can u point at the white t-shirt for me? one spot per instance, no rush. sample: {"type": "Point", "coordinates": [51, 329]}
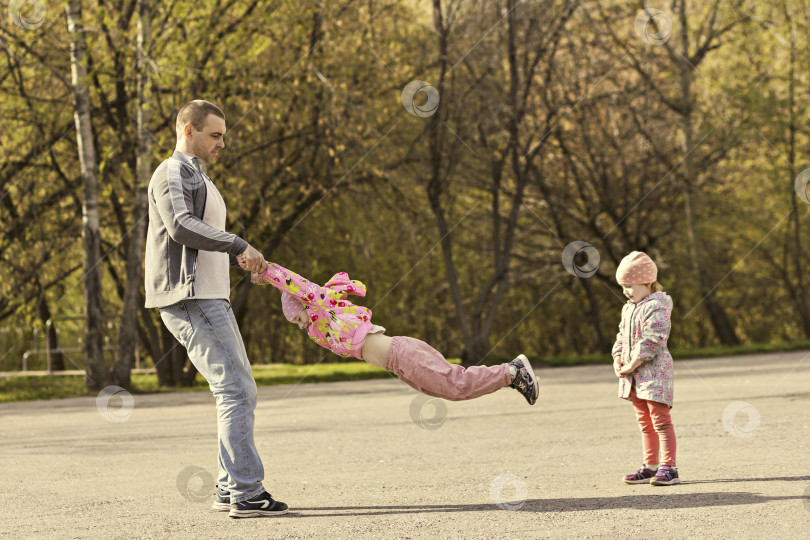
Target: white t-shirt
{"type": "Point", "coordinates": [213, 278]}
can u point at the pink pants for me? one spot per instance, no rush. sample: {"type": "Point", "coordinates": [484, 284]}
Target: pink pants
{"type": "Point", "coordinates": [656, 430]}
{"type": "Point", "coordinates": [424, 368]}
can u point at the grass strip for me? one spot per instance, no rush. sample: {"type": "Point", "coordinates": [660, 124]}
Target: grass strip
{"type": "Point", "coordinates": [28, 387]}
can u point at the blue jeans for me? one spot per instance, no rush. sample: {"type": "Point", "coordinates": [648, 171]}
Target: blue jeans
{"type": "Point", "coordinates": [208, 331]}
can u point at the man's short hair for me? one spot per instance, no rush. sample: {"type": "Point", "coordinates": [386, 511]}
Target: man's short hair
{"type": "Point", "coordinates": [195, 112]}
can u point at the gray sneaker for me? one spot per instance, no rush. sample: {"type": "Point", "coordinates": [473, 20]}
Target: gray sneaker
{"type": "Point", "coordinates": [524, 380]}
{"type": "Point", "coordinates": [222, 500]}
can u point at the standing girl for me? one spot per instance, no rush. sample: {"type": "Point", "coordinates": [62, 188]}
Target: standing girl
{"type": "Point", "coordinates": [332, 321]}
{"type": "Point", "coordinates": [643, 364]}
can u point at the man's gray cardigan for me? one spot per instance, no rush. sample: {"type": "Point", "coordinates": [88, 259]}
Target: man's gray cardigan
{"type": "Point", "coordinates": [176, 231]}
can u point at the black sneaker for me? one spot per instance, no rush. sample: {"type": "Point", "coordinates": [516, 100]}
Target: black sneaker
{"type": "Point", "coordinates": [524, 381]}
{"type": "Point", "coordinates": [260, 506]}
{"type": "Point", "coordinates": [222, 501]}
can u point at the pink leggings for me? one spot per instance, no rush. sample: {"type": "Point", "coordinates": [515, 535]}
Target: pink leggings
{"type": "Point", "coordinates": [424, 368]}
{"type": "Point", "coordinates": [656, 430]}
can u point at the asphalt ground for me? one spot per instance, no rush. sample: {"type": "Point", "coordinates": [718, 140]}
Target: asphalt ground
{"type": "Point", "coordinates": [375, 459]}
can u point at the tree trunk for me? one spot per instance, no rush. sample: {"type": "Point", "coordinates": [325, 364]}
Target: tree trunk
{"type": "Point", "coordinates": [717, 314]}
{"type": "Point", "coordinates": [474, 351]}
{"type": "Point", "coordinates": [163, 364]}
{"type": "Point", "coordinates": [800, 298]}
{"type": "Point", "coordinates": [171, 366]}
{"type": "Point", "coordinates": [603, 343]}
{"type": "Point", "coordinates": [435, 189]}
{"type": "Point", "coordinates": [150, 336]}
{"type": "Point", "coordinates": [97, 375]}
{"type": "Point", "coordinates": [128, 332]}
{"type": "Point", "coordinates": [476, 324]}
{"type": "Point", "coordinates": [57, 360]}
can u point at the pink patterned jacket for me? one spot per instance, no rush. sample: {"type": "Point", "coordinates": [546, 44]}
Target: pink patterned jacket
{"type": "Point", "coordinates": [643, 333]}
{"type": "Point", "coordinates": [334, 322]}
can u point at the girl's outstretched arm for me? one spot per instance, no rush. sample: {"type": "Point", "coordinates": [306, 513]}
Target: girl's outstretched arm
{"type": "Point", "coordinates": [298, 286]}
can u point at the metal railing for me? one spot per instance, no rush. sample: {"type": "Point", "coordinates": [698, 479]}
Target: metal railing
{"type": "Point", "coordinates": [48, 352]}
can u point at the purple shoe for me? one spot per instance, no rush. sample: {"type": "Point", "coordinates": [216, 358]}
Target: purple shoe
{"type": "Point", "coordinates": [641, 476]}
{"type": "Point", "coordinates": [666, 476]}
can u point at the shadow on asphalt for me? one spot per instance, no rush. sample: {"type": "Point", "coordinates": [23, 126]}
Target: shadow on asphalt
{"type": "Point", "coordinates": [770, 479]}
{"type": "Point", "coordinates": [635, 502]}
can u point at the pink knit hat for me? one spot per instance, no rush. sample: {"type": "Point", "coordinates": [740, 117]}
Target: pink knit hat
{"type": "Point", "coordinates": [291, 306]}
{"type": "Point", "coordinates": [637, 268]}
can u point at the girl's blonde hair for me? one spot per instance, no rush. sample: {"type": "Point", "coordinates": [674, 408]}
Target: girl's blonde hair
{"type": "Point", "coordinates": [655, 286]}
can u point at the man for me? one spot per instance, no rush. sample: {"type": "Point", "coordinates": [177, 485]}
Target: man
{"type": "Point", "coordinates": [188, 255]}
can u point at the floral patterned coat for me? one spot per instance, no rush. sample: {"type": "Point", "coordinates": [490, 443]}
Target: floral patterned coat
{"type": "Point", "coordinates": [334, 322]}
{"type": "Point", "coordinates": [643, 334]}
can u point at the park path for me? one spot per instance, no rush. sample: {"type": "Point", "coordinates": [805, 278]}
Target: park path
{"type": "Point", "coordinates": [374, 459]}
